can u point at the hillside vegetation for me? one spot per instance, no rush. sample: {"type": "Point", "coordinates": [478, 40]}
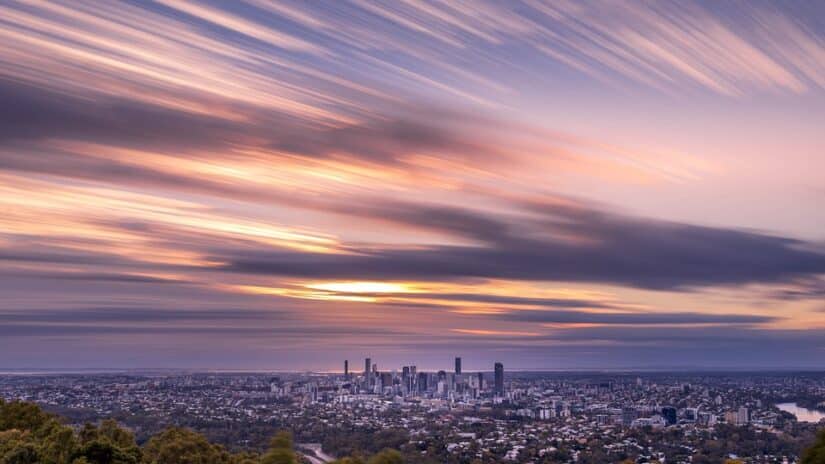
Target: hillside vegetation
{"type": "Point", "coordinates": [29, 435]}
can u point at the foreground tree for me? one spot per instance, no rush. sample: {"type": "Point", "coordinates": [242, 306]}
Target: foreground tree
{"type": "Point", "coordinates": [348, 460]}
{"type": "Point", "coordinates": [108, 444]}
{"type": "Point", "coordinates": [177, 445]}
{"type": "Point", "coordinates": [816, 453]}
{"type": "Point", "coordinates": [28, 435]}
{"type": "Point", "coordinates": [387, 456]}
{"type": "Point", "coordinates": [280, 450]}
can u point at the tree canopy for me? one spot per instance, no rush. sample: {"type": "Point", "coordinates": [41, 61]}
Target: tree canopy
{"type": "Point", "coordinates": [29, 435]}
{"type": "Point", "coordinates": [816, 453]}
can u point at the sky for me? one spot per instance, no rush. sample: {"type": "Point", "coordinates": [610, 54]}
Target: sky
{"type": "Point", "coordinates": [285, 185]}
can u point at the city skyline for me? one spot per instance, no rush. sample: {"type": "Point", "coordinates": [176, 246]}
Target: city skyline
{"type": "Point", "coordinates": [588, 418]}
{"type": "Point", "coordinates": [283, 185]}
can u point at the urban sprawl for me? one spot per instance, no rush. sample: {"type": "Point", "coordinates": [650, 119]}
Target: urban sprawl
{"type": "Point", "coordinates": [458, 416]}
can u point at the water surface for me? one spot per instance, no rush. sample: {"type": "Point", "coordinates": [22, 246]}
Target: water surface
{"type": "Point", "coordinates": [802, 414]}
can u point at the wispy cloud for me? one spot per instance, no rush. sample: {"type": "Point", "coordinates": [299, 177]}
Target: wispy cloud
{"type": "Point", "coordinates": [606, 248]}
{"type": "Point", "coordinates": [518, 175]}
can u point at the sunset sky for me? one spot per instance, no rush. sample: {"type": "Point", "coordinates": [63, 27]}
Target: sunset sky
{"type": "Point", "coordinates": [285, 185]}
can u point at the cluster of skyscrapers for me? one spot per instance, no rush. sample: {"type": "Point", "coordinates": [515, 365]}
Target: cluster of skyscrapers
{"type": "Point", "coordinates": [410, 382]}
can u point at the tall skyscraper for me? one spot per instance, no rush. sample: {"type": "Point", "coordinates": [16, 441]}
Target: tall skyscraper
{"type": "Point", "coordinates": [669, 413]}
{"type": "Point", "coordinates": [367, 364]}
{"type": "Point", "coordinates": [386, 379]}
{"type": "Point", "coordinates": [405, 379]}
{"type": "Point", "coordinates": [413, 379]}
{"type": "Point", "coordinates": [422, 382]}
{"type": "Point", "coordinates": [458, 365]}
{"type": "Point", "coordinates": [499, 379]}
{"type": "Point", "coordinates": [346, 368]}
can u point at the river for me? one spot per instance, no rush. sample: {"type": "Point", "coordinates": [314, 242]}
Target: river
{"type": "Point", "coordinates": [802, 414]}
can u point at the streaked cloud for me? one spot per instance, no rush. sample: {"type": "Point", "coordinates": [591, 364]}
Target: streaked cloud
{"type": "Point", "coordinates": [607, 249]}
{"type": "Point", "coordinates": [409, 177]}
{"type": "Point", "coordinates": [554, 318]}
{"type": "Point", "coordinates": [495, 333]}
{"type": "Point", "coordinates": [729, 49]}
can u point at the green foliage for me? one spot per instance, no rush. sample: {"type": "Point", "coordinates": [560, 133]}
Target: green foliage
{"type": "Point", "coordinates": [387, 456]}
{"type": "Point", "coordinates": [348, 460]}
{"type": "Point", "coordinates": [816, 453]}
{"type": "Point", "coordinates": [280, 450]}
{"type": "Point", "coordinates": [183, 446]}
{"type": "Point", "coordinates": [16, 447]}
{"type": "Point", "coordinates": [281, 440]}
{"type": "Point", "coordinates": [344, 442]}
{"type": "Point", "coordinates": [245, 458]}
{"type": "Point", "coordinates": [108, 444]}
{"type": "Point", "coordinates": [28, 435]}
{"type": "Point", "coordinates": [25, 416]}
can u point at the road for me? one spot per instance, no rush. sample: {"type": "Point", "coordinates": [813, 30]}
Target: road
{"type": "Point", "coordinates": [317, 456]}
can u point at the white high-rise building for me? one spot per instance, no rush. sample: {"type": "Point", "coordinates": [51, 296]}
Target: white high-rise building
{"type": "Point", "coordinates": [743, 416]}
